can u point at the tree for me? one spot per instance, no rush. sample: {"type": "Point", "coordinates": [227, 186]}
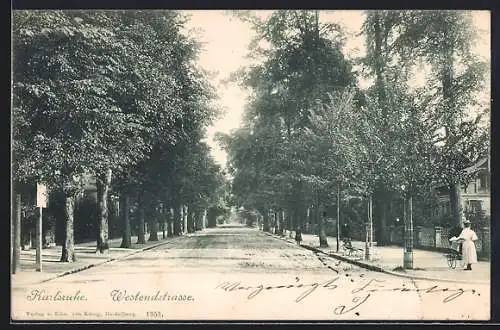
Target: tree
{"type": "Point", "coordinates": [335, 141]}
{"type": "Point", "coordinates": [77, 128]}
{"type": "Point", "coordinates": [120, 83]}
{"type": "Point", "coordinates": [398, 42]}
{"type": "Point", "coordinates": [303, 62]}
{"type": "Point", "coordinates": [460, 75]}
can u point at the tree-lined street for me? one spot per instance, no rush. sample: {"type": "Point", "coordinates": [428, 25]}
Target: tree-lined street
{"type": "Point", "coordinates": [120, 209]}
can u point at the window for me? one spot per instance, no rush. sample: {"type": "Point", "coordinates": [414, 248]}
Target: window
{"type": "Point", "coordinates": [483, 182]}
{"type": "Point", "coordinates": [474, 206]}
{"type": "Point", "coordinates": [444, 208]}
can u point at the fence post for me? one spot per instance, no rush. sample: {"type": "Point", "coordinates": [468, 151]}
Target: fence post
{"type": "Point", "coordinates": [418, 235]}
{"type": "Point", "coordinates": [437, 236]}
{"type": "Point", "coordinates": [485, 242]}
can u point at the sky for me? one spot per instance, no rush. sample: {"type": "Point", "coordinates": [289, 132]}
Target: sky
{"type": "Point", "coordinates": [225, 42]}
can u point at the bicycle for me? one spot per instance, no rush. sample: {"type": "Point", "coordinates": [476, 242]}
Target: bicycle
{"type": "Point", "coordinates": [453, 255]}
{"type": "Point", "coordinates": [351, 251]}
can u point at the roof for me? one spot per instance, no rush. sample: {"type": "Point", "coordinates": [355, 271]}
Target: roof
{"type": "Point", "coordinates": [468, 170]}
{"type": "Point", "coordinates": [476, 167]}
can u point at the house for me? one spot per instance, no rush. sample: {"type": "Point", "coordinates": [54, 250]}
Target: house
{"type": "Point", "coordinates": [474, 196]}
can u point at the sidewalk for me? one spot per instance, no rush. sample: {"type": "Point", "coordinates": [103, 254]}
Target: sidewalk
{"type": "Point", "coordinates": [427, 265]}
{"type": "Point", "coordinates": [86, 257]}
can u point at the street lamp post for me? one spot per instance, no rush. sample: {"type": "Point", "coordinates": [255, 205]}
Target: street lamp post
{"type": "Point", "coordinates": [408, 221]}
{"type": "Point", "coordinates": [338, 217]}
{"type": "Point", "coordinates": [369, 232]}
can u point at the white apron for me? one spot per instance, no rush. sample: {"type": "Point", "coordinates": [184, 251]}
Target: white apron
{"type": "Point", "coordinates": [469, 254]}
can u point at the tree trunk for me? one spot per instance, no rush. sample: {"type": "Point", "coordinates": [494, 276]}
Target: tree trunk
{"type": "Point", "coordinates": [205, 218]}
{"type": "Point", "coordinates": [382, 229]}
{"type": "Point", "coordinates": [16, 241]}
{"type": "Point", "coordinates": [103, 184]}
{"type": "Point", "coordinates": [390, 216]}
{"type": "Point", "coordinates": [277, 223]}
{"type": "Point", "coordinates": [382, 201]}
{"type": "Point", "coordinates": [153, 223]}
{"type": "Point", "coordinates": [199, 219]}
{"type": "Point", "coordinates": [447, 76]}
{"type": "Point", "coordinates": [310, 220]}
{"type": "Point", "coordinates": [197, 222]}
{"type": "Point", "coordinates": [190, 220]}
{"type": "Point", "coordinates": [185, 210]}
{"type": "Point", "coordinates": [211, 218]}
{"type": "Point", "coordinates": [177, 219]}
{"type": "Point", "coordinates": [153, 235]}
{"type": "Point", "coordinates": [291, 221]}
{"type": "Point", "coordinates": [323, 242]}
{"type": "Point", "coordinates": [302, 216]}
{"type": "Point", "coordinates": [68, 248]}
{"type": "Point", "coordinates": [170, 223]}
{"type": "Point", "coordinates": [380, 64]}
{"type": "Point", "coordinates": [456, 208]}
{"type": "Point", "coordinates": [266, 221]}
{"type": "Point", "coordinates": [284, 218]}
{"type": "Point", "coordinates": [126, 241]}
{"type": "Point", "coordinates": [141, 235]}
{"type": "Point", "coordinates": [163, 222]}
{"type": "Point", "coordinates": [317, 219]}
{"type": "Point", "coordinates": [281, 223]}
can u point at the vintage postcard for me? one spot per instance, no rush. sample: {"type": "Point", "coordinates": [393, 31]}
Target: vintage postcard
{"type": "Point", "coordinates": [250, 165]}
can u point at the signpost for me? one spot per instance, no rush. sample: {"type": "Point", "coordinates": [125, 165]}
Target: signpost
{"type": "Point", "coordinates": [41, 202]}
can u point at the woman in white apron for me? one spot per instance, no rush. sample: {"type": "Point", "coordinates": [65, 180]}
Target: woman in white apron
{"type": "Point", "coordinates": [468, 237]}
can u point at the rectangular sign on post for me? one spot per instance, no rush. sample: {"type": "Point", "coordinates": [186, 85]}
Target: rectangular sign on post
{"type": "Point", "coordinates": [41, 195]}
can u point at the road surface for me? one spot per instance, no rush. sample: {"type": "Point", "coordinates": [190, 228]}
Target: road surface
{"type": "Point", "coordinates": [238, 273]}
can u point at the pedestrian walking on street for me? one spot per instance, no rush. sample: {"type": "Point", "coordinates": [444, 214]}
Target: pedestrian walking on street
{"type": "Point", "coordinates": [298, 236]}
{"type": "Point", "coordinates": [468, 237]}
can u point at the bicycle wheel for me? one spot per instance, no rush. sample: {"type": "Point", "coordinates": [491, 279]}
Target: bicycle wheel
{"type": "Point", "coordinates": [452, 261]}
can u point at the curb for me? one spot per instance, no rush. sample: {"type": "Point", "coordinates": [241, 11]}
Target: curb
{"type": "Point", "coordinates": [377, 268]}
{"type": "Point", "coordinates": [355, 262]}
{"type": "Point", "coordinates": [85, 267]}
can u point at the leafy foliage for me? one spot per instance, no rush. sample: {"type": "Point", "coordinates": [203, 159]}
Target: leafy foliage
{"type": "Point", "coordinates": [112, 90]}
{"type": "Point", "coordinates": [308, 128]}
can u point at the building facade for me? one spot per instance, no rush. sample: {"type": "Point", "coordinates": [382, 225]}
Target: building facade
{"type": "Point", "coordinates": [475, 196]}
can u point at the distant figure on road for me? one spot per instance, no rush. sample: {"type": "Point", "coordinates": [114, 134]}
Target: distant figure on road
{"type": "Point", "coordinates": [346, 232]}
{"type": "Point", "coordinates": [298, 235]}
{"type": "Point", "coordinates": [468, 237]}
